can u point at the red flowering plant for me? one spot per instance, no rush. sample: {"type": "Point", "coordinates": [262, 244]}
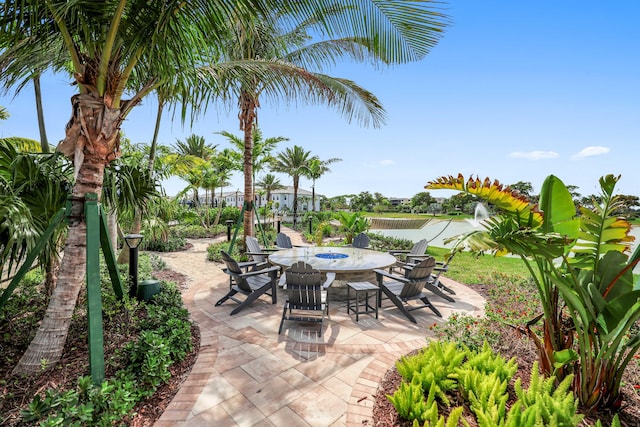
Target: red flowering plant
{"type": "Point", "coordinates": [579, 262]}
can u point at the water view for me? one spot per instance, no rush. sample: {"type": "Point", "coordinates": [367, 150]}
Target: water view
{"type": "Point", "coordinates": [437, 231]}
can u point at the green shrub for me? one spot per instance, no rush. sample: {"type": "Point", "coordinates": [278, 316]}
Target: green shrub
{"type": "Point", "coordinates": [213, 251]}
{"type": "Point", "coordinates": [87, 404]}
{"type": "Point", "coordinates": [545, 403]}
{"type": "Point", "coordinates": [197, 231]}
{"type": "Point", "coordinates": [164, 338]}
{"type": "Point", "coordinates": [172, 244]}
{"type": "Point", "coordinates": [380, 242]}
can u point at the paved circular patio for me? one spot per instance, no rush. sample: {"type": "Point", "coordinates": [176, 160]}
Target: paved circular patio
{"type": "Point", "coordinates": [246, 374]}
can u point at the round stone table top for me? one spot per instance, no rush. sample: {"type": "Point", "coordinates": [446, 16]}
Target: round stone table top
{"type": "Point", "coordinates": [334, 259]}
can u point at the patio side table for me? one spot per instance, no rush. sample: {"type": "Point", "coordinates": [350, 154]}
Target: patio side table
{"type": "Point", "coordinates": [363, 291]}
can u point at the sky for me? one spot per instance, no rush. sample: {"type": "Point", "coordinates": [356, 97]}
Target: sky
{"type": "Point", "coordinates": [514, 91]}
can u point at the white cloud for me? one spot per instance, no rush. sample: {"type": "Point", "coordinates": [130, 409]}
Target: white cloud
{"type": "Point", "coordinates": [595, 150]}
{"type": "Point", "coordinates": [380, 163]}
{"type": "Point", "coordinates": [534, 155]}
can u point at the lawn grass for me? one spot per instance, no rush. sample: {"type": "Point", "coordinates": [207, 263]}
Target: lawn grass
{"type": "Point", "coordinates": [468, 269]}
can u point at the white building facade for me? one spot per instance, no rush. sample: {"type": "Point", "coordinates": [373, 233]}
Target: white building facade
{"type": "Point", "coordinates": [281, 199]}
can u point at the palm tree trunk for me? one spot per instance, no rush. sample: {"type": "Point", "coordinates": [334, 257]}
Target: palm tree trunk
{"type": "Point", "coordinates": [248, 104]}
{"type": "Point", "coordinates": [92, 138]}
{"type": "Point", "coordinates": [296, 181]}
{"type": "Point", "coordinates": [219, 213]}
{"type": "Point", "coordinates": [51, 336]}
{"type": "Point", "coordinates": [156, 131]}
{"type": "Point", "coordinates": [248, 181]}
{"type": "Point", "coordinates": [112, 221]}
{"type": "Point", "coordinates": [313, 195]}
{"type": "Point", "coordinates": [44, 142]}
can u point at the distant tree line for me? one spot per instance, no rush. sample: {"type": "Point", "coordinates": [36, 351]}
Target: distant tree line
{"type": "Point", "coordinates": [460, 203]}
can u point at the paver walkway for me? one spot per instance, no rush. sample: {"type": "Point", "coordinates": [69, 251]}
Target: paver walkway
{"type": "Point", "coordinates": [248, 375]}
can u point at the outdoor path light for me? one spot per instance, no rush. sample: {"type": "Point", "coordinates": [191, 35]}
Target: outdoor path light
{"type": "Point", "coordinates": [229, 223]}
{"type": "Point", "coordinates": [133, 241]}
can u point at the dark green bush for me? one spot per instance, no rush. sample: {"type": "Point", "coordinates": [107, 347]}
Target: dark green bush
{"type": "Point", "coordinates": [172, 244]}
{"type": "Point", "coordinates": [380, 242]}
{"type": "Point", "coordinates": [163, 337]}
{"type": "Point", "coordinates": [196, 231]}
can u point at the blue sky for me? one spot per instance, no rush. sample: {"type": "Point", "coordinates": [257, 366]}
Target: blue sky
{"type": "Point", "coordinates": [514, 91]}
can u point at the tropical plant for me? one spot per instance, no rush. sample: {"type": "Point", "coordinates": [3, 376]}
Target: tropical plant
{"type": "Point", "coordinates": [351, 224]}
{"type": "Point", "coordinates": [293, 162]}
{"type": "Point", "coordinates": [276, 56]}
{"type": "Point", "coordinates": [260, 157]}
{"type": "Point", "coordinates": [589, 300]}
{"type": "Point", "coordinates": [4, 114]}
{"type": "Point", "coordinates": [315, 169]}
{"type": "Point", "coordinates": [33, 188]}
{"type": "Point", "coordinates": [269, 183]}
{"type": "Point", "coordinates": [195, 145]}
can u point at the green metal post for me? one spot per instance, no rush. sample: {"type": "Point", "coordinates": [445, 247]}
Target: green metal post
{"type": "Point", "coordinates": [109, 256]}
{"type": "Point", "coordinates": [94, 301]}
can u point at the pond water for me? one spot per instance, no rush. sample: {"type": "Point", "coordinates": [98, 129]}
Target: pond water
{"type": "Point", "coordinates": [437, 231]}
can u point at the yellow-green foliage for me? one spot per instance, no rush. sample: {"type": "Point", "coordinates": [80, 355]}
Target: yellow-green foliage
{"type": "Point", "coordinates": [454, 420]}
{"type": "Point", "coordinates": [488, 362]}
{"type": "Point", "coordinates": [544, 403]}
{"type": "Point", "coordinates": [482, 378]}
{"type": "Point", "coordinates": [432, 366]}
{"type": "Point", "coordinates": [483, 381]}
{"type": "Point", "coordinates": [615, 422]}
{"type": "Point", "coordinates": [487, 394]}
{"type": "Point", "coordinates": [410, 403]}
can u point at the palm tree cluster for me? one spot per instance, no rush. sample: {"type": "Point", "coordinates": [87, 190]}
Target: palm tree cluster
{"type": "Point", "coordinates": [190, 54]}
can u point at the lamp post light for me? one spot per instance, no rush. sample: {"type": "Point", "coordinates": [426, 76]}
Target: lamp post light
{"type": "Point", "coordinates": [229, 223]}
{"type": "Point", "coordinates": [133, 241]}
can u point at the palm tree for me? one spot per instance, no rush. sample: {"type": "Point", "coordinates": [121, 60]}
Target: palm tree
{"type": "Point", "coordinates": [119, 47]}
{"type": "Point", "coordinates": [224, 164]}
{"type": "Point", "coordinates": [279, 45]}
{"type": "Point", "coordinates": [294, 162]}
{"type": "Point", "coordinates": [269, 183]}
{"type": "Point", "coordinates": [315, 169]}
{"type": "Point", "coordinates": [4, 114]}
{"type": "Point", "coordinates": [196, 146]}
{"type": "Point", "coordinates": [260, 156]}
{"type": "Point", "coordinates": [136, 46]}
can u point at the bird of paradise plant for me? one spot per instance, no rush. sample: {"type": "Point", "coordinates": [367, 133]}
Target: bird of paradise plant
{"type": "Point", "coordinates": [583, 274]}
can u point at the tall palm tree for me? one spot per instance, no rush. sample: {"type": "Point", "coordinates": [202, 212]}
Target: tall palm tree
{"type": "Point", "coordinates": [4, 114]}
{"type": "Point", "coordinates": [260, 157]}
{"type": "Point", "coordinates": [118, 47]}
{"type": "Point", "coordinates": [282, 47]}
{"type": "Point", "coordinates": [315, 169]}
{"type": "Point", "coordinates": [294, 162]}
{"type": "Point", "coordinates": [269, 183]}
